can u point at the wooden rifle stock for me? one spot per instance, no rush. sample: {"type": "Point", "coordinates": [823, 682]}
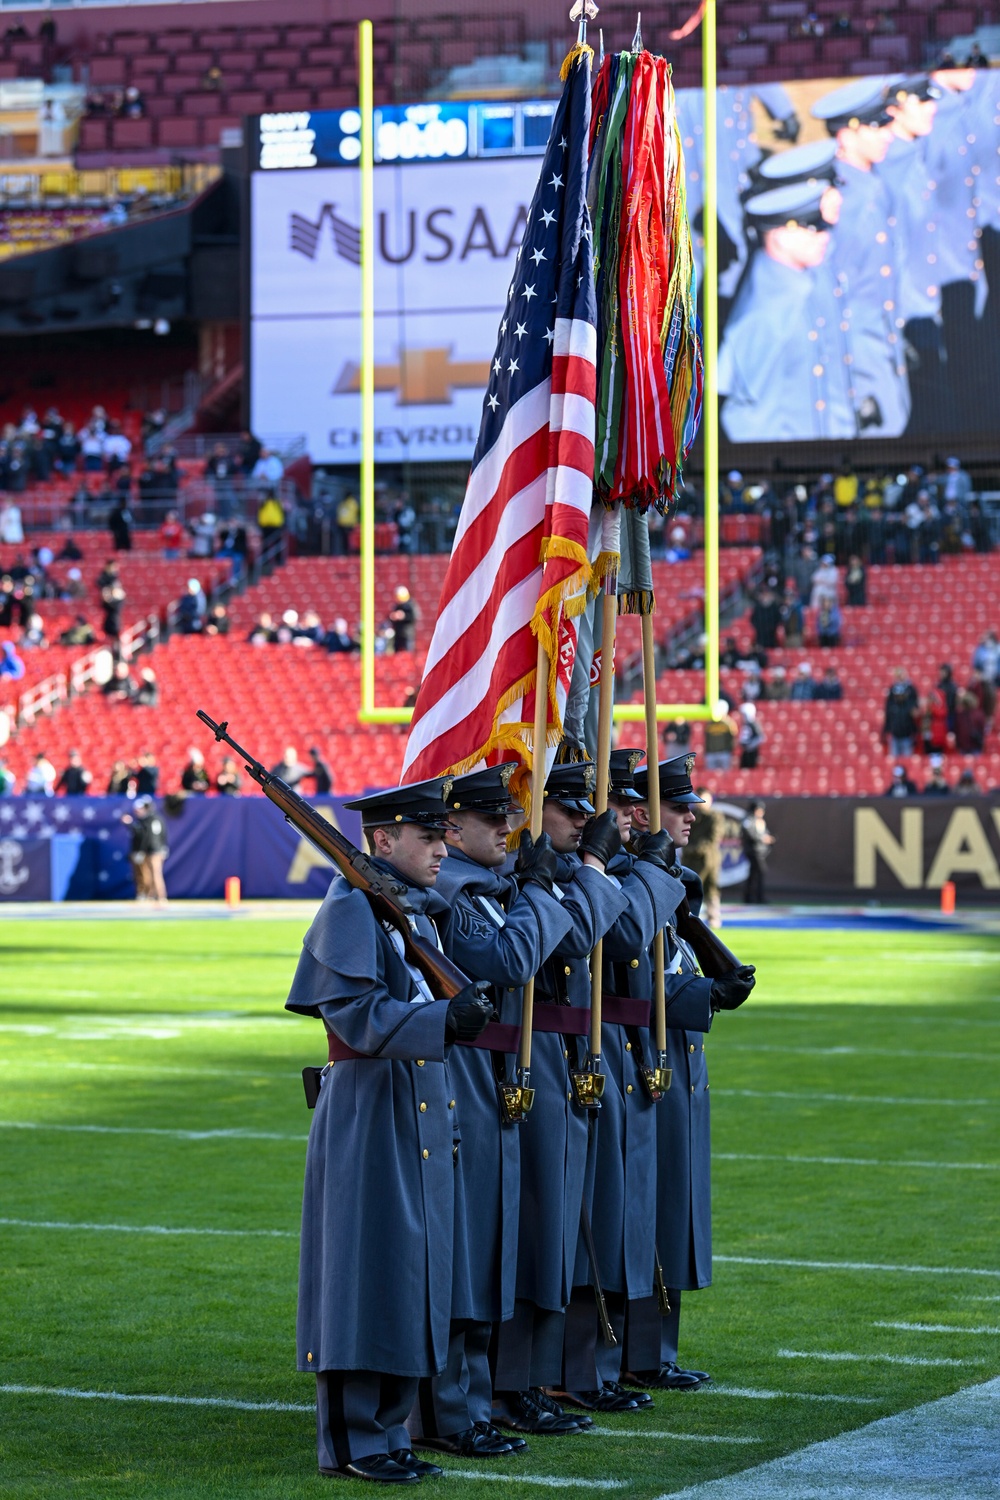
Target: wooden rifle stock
{"type": "Point", "coordinates": [387, 897]}
{"type": "Point", "coordinates": [715, 960]}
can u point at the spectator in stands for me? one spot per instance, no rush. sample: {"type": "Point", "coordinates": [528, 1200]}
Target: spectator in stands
{"type": "Point", "coordinates": [856, 582]}
{"type": "Point", "coordinates": [825, 582]}
{"type": "Point", "coordinates": [120, 526]}
{"type": "Point", "coordinates": [933, 718]}
{"type": "Point", "coordinates": [233, 543]}
{"type": "Point", "coordinates": [704, 854]}
{"type": "Point", "coordinates": [750, 737]}
{"type": "Point", "coordinates": [803, 689]}
{"type": "Point", "coordinates": [977, 57]}
{"type": "Point", "coordinates": [70, 552]}
{"type": "Point", "coordinates": [11, 527]}
{"type": "Point", "coordinates": [216, 621]}
{"type": "Point", "coordinates": [339, 638]}
{"type": "Point", "coordinates": [191, 609]}
{"type": "Point", "coordinates": [967, 785]}
{"type": "Point", "coordinates": [117, 448]}
{"type": "Point", "coordinates": [270, 519]}
{"type": "Point", "coordinates": [229, 781]}
{"type": "Point", "coordinates": [11, 665]}
{"type": "Point", "coordinates": [153, 424]}
{"type": "Point", "coordinates": [720, 741]}
{"type": "Point", "coordinates": [221, 469]}
{"type": "Point", "coordinates": [901, 704]}
{"type": "Point", "coordinates": [121, 685]}
{"type": "Point", "coordinates": [263, 633]}
{"type": "Point", "coordinates": [290, 768]}
{"type": "Point", "coordinates": [776, 688]}
{"type": "Point", "coordinates": [132, 106]}
{"type": "Point", "coordinates": [765, 615]}
{"type": "Point", "coordinates": [203, 535]}
{"type": "Point", "coordinates": [731, 491]}
{"type": "Point", "coordinates": [986, 657]}
{"type": "Point", "coordinates": [791, 616]}
{"type": "Point", "coordinates": [92, 448]}
{"type": "Point", "coordinates": [901, 785]}
{"type": "Point", "coordinates": [970, 725]}
{"type": "Point", "coordinates": [75, 779]}
{"type": "Point", "coordinates": [172, 537]}
{"type": "Point", "coordinates": [949, 688]}
{"type": "Point", "coordinates": [830, 689]}
{"type": "Point", "coordinates": [752, 689]}
{"type": "Point", "coordinates": [801, 570]}
{"type": "Point", "coordinates": [309, 630]}
{"type": "Point", "coordinates": [147, 775]}
{"type": "Point", "coordinates": [842, 26]}
{"type": "Point", "coordinates": [121, 782]}
{"type": "Point", "coordinates": [985, 694]}
{"type": "Point", "coordinates": [249, 451]}
{"type": "Point", "coordinates": [147, 693]}
{"type": "Point", "coordinates": [67, 450]}
{"type": "Point", "coordinates": [80, 633]}
{"type": "Point", "coordinates": [320, 774]}
{"type": "Point", "coordinates": [828, 623]}
{"type": "Point", "coordinates": [937, 786]}
{"type": "Point", "coordinates": [403, 619]}
{"type": "Point", "coordinates": [194, 777]}
{"type": "Point", "coordinates": [113, 598]}
{"type": "Point", "coordinates": [8, 781]}
{"type": "Point", "coordinates": [267, 472]}
{"type": "Point", "coordinates": [757, 841]}
{"type": "Point", "coordinates": [41, 779]}
{"type": "Point", "coordinates": [348, 515]}
{"type": "Point", "coordinates": [33, 636]}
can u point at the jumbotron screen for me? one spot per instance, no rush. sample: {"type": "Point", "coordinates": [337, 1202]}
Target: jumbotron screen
{"type": "Point", "coordinates": [859, 229]}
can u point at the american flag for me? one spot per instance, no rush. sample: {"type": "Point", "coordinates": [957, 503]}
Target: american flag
{"type": "Point", "coordinates": [521, 561]}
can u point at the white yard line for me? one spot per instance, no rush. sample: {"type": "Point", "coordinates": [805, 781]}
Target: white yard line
{"type": "Point", "coordinates": [945, 1450]}
{"type": "Point", "coordinates": [224, 1401]}
{"type": "Point", "coordinates": [672, 1437]}
{"type": "Point", "coordinates": [840, 1357]}
{"type": "Point", "coordinates": [860, 1161]}
{"type": "Point", "coordinates": [869, 1100]}
{"type": "Point", "coordinates": [852, 1265]}
{"type": "Point", "coordinates": [935, 1328]}
{"type": "Point", "coordinates": [759, 1395]}
{"type": "Point", "coordinates": [179, 1135]}
{"type": "Point", "coordinates": [551, 1481]}
{"type": "Point", "coordinates": [275, 1234]}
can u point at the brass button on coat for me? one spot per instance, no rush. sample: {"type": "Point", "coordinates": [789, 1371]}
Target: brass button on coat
{"type": "Point", "coordinates": [423, 1108]}
{"type": "Point", "coordinates": [425, 1153]}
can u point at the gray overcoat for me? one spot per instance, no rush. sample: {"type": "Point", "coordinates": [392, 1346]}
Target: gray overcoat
{"type": "Point", "coordinates": [381, 1196]}
{"type": "Point", "coordinates": [502, 935]}
{"type": "Point", "coordinates": [554, 1136]}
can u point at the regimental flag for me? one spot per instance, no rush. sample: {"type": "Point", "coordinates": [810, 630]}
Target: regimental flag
{"type": "Point", "coordinates": [524, 552]}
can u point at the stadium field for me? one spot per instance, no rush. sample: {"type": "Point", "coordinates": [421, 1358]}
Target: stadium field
{"type": "Point", "coordinates": [152, 1136]}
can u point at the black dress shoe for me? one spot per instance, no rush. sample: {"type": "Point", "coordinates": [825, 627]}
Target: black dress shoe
{"type": "Point", "coordinates": [472, 1443]}
{"type": "Point", "coordinates": [641, 1399]}
{"type": "Point", "coordinates": [407, 1459]}
{"type": "Point", "coordinates": [517, 1444]}
{"type": "Point", "coordinates": [604, 1400]}
{"type": "Point", "coordinates": [380, 1468]}
{"type": "Point", "coordinates": [669, 1378]}
{"type": "Point", "coordinates": [549, 1403]}
{"type": "Point", "coordinates": [521, 1411]}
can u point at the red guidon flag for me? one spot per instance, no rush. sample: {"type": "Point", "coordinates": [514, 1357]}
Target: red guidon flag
{"type": "Point", "coordinates": [522, 561]}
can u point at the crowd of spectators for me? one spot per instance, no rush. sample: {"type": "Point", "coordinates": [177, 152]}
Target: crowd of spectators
{"type": "Point", "coordinates": [141, 776]}
{"type": "Point", "coordinates": [395, 634]}
{"type": "Point", "coordinates": [948, 718]}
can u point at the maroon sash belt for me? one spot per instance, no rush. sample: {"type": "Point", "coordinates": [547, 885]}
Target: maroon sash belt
{"type": "Point", "coordinates": [622, 1010]}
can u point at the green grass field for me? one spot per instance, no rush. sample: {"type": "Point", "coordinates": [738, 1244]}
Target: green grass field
{"type": "Point", "coordinates": [150, 1081]}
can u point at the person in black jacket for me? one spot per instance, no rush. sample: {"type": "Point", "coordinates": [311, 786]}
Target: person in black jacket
{"type": "Point", "coordinates": [149, 850]}
{"type": "Point", "coordinates": [900, 709]}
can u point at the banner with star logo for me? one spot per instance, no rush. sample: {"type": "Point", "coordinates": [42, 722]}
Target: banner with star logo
{"type": "Point", "coordinates": [528, 537]}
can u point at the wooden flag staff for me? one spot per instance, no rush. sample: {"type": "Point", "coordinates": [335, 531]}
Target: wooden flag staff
{"type": "Point", "coordinates": [538, 743]}
{"type": "Point", "coordinates": [606, 703]}
{"type": "Point", "coordinates": [662, 1077]}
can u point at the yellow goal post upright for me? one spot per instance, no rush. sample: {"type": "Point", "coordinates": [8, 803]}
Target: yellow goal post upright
{"type": "Point", "coordinates": [710, 708]}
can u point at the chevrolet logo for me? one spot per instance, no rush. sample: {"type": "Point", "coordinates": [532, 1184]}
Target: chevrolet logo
{"type": "Point", "coordinates": [422, 377]}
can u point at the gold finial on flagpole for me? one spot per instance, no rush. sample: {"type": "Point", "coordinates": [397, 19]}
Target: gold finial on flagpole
{"type": "Point", "coordinates": [582, 12]}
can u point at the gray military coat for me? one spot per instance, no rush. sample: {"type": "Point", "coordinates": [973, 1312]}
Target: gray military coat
{"type": "Point", "coordinates": [501, 935]}
{"type": "Point", "coordinates": [555, 1135]}
{"type": "Point", "coordinates": [381, 1198]}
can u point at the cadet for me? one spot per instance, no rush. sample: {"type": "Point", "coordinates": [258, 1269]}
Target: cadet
{"type": "Point", "coordinates": [381, 1195]}
{"type": "Point", "coordinates": [624, 1193]}
{"type": "Point", "coordinates": [866, 255]}
{"type": "Point", "coordinates": [555, 1135]}
{"type": "Point", "coordinates": [502, 936]}
{"type": "Point", "coordinates": [683, 1162]}
{"type": "Point", "coordinates": [782, 364]}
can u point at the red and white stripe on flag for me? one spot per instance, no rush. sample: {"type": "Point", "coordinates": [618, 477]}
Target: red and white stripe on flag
{"type": "Point", "coordinates": [519, 571]}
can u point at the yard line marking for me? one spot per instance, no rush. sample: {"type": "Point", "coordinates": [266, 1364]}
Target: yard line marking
{"type": "Point", "coordinates": [867, 1099]}
{"type": "Point", "coordinates": [861, 1161]}
{"type": "Point", "coordinates": [181, 1135]}
{"type": "Point", "coordinates": [883, 1359]}
{"type": "Point", "coordinates": [277, 1234]}
{"type": "Point", "coordinates": [224, 1401]}
{"type": "Point", "coordinates": [551, 1481]}
{"type": "Point", "coordinates": [681, 1437]}
{"type": "Point", "coordinates": [759, 1395]}
{"type": "Point", "coordinates": [946, 1448]}
{"type": "Point", "coordinates": [853, 1265]}
{"type": "Point", "coordinates": [935, 1328]}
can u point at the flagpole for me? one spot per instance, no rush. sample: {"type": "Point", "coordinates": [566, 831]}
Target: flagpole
{"type": "Point", "coordinates": [710, 310]}
{"type": "Point", "coordinates": [606, 703]}
{"type": "Point", "coordinates": [653, 799]}
{"type": "Point", "coordinates": [538, 746]}
{"type": "Point", "coordinates": [365, 103]}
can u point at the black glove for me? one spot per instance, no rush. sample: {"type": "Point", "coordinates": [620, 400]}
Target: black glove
{"type": "Point", "coordinates": [731, 992]}
{"type": "Point", "coordinates": [469, 1013]}
{"type": "Point", "coordinates": [788, 129]}
{"type": "Point", "coordinates": [538, 862]}
{"type": "Point", "coordinates": [656, 849]}
{"type": "Point", "coordinates": [601, 837]}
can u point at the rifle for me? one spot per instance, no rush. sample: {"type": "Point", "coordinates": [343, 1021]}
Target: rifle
{"type": "Point", "coordinates": [715, 960]}
{"type": "Point", "coordinates": [387, 897]}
